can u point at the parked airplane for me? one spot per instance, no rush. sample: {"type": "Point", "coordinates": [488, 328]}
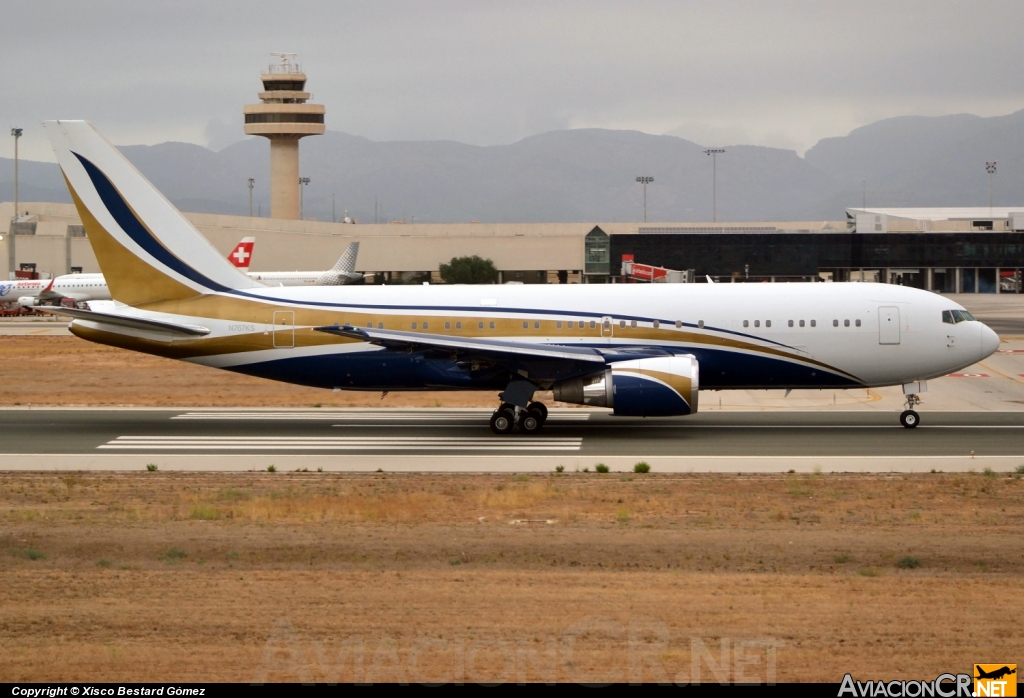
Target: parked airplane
{"type": "Point", "coordinates": [93, 287]}
{"type": "Point", "coordinates": [639, 349]}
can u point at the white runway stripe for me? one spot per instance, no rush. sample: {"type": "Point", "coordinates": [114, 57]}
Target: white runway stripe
{"type": "Point", "coordinates": [339, 443]}
{"type": "Point", "coordinates": [366, 416]}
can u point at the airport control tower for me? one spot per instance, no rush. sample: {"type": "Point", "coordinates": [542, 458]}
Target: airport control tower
{"type": "Point", "coordinates": [284, 117]}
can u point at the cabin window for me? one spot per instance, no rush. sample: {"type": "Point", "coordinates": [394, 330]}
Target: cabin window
{"type": "Point", "coordinates": [558, 324]}
{"type": "Point", "coordinates": [633, 324]}
{"type": "Point", "coordinates": [492, 324]}
{"type": "Point", "coordinates": [746, 323]}
{"type": "Point", "coordinates": [480, 325]}
{"type": "Point", "coordinates": [458, 325]}
{"type": "Point", "coordinates": [814, 323]}
{"type": "Point", "coordinates": [857, 322]}
{"type": "Point", "coordinates": [846, 323]}
{"type": "Point", "coordinates": [526, 324]}
{"type": "Point", "coordinates": [700, 324]}
{"type": "Point", "coordinates": [622, 323]}
{"type": "Point", "coordinates": [447, 325]}
{"type": "Point", "coordinates": [425, 325]}
{"type": "Point", "coordinates": [767, 323]}
{"type": "Point", "coordinates": [380, 325]}
{"type": "Point", "coordinates": [593, 324]}
{"type": "Point", "coordinates": [801, 323]}
{"type": "Point", "coordinates": [536, 325]}
{"type": "Point", "coordinates": [414, 325]}
{"type": "Point", "coordinates": [757, 323]}
{"type": "Point", "coordinates": [835, 323]}
{"type": "Point", "coordinates": [790, 323]}
{"type": "Point", "coordinates": [656, 324]}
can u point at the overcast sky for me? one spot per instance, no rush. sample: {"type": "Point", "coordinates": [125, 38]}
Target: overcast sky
{"type": "Point", "coordinates": [719, 72]}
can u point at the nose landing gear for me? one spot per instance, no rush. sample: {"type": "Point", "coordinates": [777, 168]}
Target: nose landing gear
{"type": "Point", "coordinates": [529, 420]}
{"type": "Point", "coordinates": [909, 418]}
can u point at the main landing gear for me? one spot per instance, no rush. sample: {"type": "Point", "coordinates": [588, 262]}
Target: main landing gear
{"type": "Point", "coordinates": [530, 420]}
{"type": "Point", "coordinates": [909, 418]}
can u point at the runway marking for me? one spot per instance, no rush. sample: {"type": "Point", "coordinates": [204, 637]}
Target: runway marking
{"type": "Point", "coordinates": [478, 415]}
{"type": "Point", "coordinates": [968, 375]}
{"type": "Point", "coordinates": [340, 443]}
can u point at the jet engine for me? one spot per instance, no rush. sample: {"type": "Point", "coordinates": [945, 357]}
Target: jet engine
{"type": "Point", "coordinates": [28, 301]}
{"type": "Point", "coordinates": [660, 386]}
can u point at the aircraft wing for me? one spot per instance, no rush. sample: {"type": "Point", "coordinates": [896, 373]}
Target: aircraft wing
{"type": "Point", "coordinates": [129, 322]}
{"type": "Point", "coordinates": [540, 362]}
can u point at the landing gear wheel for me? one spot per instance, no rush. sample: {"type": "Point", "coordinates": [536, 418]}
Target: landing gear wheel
{"type": "Point", "coordinates": [503, 421]}
{"type": "Point", "coordinates": [542, 408]}
{"type": "Point", "coordinates": [910, 419]}
{"type": "Point", "coordinates": [531, 420]}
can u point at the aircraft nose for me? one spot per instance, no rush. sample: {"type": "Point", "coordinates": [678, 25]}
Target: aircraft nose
{"type": "Point", "coordinates": [989, 341]}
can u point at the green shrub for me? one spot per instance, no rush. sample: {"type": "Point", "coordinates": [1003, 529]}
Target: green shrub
{"type": "Point", "coordinates": [908, 562]}
{"type": "Point", "coordinates": [151, 467]}
{"type": "Point", "coordinates": [989, 472]}
{"type": "Point", "coordinates": [469, 270]}
{"type": "Point", "coordinates": [173, 555]}
{"type": "Point", "coordinates": [559, 468]}
{"type": "Point", "coordinates": [33, 554]}
{"type": "Point", "coordinates": [104, 562]}
{"type": "Point", "coordinates": [641, 467]}
{"type": "Point", "coordinates": [271, 469]}
{"type": "Point", "coordinates": [842, 558]}
{"type": "Point", "coordinates": [1020, 470]}
{"type": "Point", "coordinates": [601, 468]}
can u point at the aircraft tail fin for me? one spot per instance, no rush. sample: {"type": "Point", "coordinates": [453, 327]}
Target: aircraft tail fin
{"type": "Point", "coordinates": [241, 256]}
{"type": "Point", "coordinates": [344, 270]}
{"type": "Point", "coordinates": [140, 239]}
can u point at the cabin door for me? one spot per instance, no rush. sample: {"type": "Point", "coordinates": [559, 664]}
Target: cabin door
{"type": "Point", "coordinates": [889, 325]}
{"type": "Point", "coordinates": [284, 328]}
{"type": "Point", "coordinates": [606, 327]}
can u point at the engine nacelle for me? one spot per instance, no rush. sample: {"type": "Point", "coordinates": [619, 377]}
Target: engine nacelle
{"type": "Point", "coordinates": [660, 386]}
{"type": "Point", "coordinates": [28, 301]}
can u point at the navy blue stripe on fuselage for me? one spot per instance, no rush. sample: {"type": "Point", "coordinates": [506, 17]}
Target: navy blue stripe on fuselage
{"type": "Point", "coordinates": [377, 370]}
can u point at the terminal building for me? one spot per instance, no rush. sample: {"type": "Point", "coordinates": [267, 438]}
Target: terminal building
{"type": "Point", "coordinates": [965, 250]}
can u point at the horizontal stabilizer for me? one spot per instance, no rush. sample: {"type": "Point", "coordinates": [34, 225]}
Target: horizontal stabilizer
{"type": "Point", "coordinates": [129, 322]}
{"type": "Point", "coordinates": [493, 347]}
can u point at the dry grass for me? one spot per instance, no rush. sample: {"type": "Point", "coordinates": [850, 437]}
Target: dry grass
{"type": "Point", "coordinates": [165, 576]}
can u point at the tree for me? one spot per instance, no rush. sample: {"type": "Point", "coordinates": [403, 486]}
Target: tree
{"type": "Point", "coordinates": [469, 270]}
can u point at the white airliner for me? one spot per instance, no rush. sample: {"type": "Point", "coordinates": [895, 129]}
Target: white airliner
{"type": "Point", "coordinates": [93, 287]}
{"type": "Point", "coordinates": [639, 349]}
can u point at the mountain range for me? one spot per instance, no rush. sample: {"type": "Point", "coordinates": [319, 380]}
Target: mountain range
{"type": "Point", "coordinates": [587, 175]}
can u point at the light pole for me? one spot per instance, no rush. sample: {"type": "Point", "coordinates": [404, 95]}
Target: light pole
{"type": "Point", "coordinates": [714, 153]}
{"type": "Point", "coordinates": [16, 132]}
{"type": "Point", "coordinates": [645, 181]}
{"type": "Point", "coordinates": [990, 167]}
{"type": "Point", "coordinates": [303, 181]}
{"type": "Point", "coordinates": [252, 181]}
{"type": "Point", "coordinates": [332, 208]}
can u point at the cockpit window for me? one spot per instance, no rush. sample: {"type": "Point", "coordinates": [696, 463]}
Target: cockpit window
{"type": "Point", "coordinates": [952, 317]}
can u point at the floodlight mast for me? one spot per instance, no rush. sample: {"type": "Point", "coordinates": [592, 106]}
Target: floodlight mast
{"type": "Point", "coordinates": [714, 153]}
{"type": "Point", "coordinates": [303, 181]}
{"type": "Point", "coordinates": [990, 167]}
{"type": "Point", "coordinates": [16, 132]}
{"type": "Point", "coordinates": [252, 181]}
{"type": "Point", "coordinates": [645, 181]}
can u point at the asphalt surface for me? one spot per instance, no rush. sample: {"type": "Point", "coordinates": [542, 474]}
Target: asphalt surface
{"type": "Point", "coordinates": [397, 432]}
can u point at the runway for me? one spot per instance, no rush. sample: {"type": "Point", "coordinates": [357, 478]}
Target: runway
{"type": "Point", "coordinates": [459, 440]}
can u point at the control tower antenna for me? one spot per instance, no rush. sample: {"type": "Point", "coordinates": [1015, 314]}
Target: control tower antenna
{"type": "Point", "coordinates": [284, 116]}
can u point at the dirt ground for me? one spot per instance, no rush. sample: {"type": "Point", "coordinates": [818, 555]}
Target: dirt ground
{"type": "Point", "coordinates": [322, 577]}
{"type": "Point", "coordinates": [70, 372]}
